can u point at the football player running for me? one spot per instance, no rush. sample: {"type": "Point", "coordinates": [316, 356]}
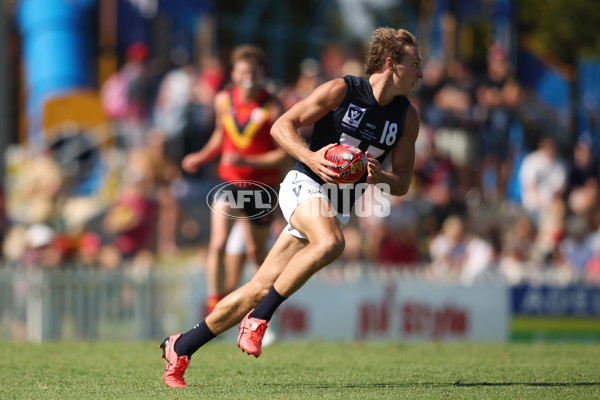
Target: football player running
{"type": "Point", "coordinates": [371, 113]}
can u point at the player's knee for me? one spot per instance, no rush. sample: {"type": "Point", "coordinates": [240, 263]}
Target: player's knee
{"type": "Point", "coordinates": [331, 247]}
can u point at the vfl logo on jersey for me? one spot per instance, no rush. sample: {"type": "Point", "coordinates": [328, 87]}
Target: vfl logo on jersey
{"type": "Point", "coordinates": [354, 115]}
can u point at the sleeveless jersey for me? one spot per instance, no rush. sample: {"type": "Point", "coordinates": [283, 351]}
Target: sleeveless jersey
{"type": "Point", "coordinates": [246, 128]}
{"type": "Point", "coordinates": [361, 122]}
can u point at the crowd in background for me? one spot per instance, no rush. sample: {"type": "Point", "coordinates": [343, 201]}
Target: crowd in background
{"type": "Point", "coordinates": [494, 191]}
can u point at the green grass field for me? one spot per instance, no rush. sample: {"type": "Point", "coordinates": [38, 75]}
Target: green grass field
{"type": "Point", "coordinates": [305, 371]}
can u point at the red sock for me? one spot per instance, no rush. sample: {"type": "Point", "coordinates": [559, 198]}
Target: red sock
{"type": "Point", "coordinates": [211, 302]}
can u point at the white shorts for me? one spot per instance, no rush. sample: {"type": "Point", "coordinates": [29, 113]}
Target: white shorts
{"type": "Point", "coordinates": [236, 241]}
{"type": "Point", "coordinates": [295, 189]}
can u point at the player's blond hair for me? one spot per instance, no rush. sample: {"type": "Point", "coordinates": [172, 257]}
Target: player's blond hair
{"type": "Point", "coordinates": [388, 42]}
{"type": "Point", "coordinates": [248, 53]}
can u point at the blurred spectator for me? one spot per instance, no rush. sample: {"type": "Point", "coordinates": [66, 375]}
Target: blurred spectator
{"type": "Point", "coordinates": [436, 179]}
{"type": "Point", "coordinates": [490, 83]}
{"type": "Point", "coordinates": [353, 251]}
{"type": "Point", "coordinates": [495, 143]}
{"type": "Point", "coordinates": [543, 178]}
{"type": "Point", "coordinates": [162, 174]}
{"type": "Point", "coordinates": [353, 66]}
{"type": "Point", "coordinates": [456, 95]}
{"type": "Point", "coordinates": [592, 268]}
{"type": "Point", "coordinates": [500, 181]}
{"type": "Point", "coordinates": [308, 79]}
{"type": "Point", "coordinates": [577, 248]}
{"type": "Point", "coordinates": [78, 155]}
{"type": "Point", "coordinates": [494, 92]}
{"type": "Point", "coordinates": [399, 244]}
{"type": "Point", "coordinates": [447, 249]}
{"type": "Point", "coordinates": [399, 248]}
{"type": "Point", "coordinates": [128, 94]}
{"type": "Point", "coordinates": [458, 254]}
{"type": "Point", "coordinates": [77, 212]}
{"type": "Point", "coordinates": [480, 258]}
{"type": "Point", "coordinates": [518, 247]}
{"type": "Point", "coordinates": [131, 219]}
{"type": "Point", "coordinates": [584, 201]}
{"type": "Point", "coordinates": [35, 194]}
{"type": "Point", "coordinates": [583, 166]}
{"type": "Point", "coordinates": [88, 249]}
{"type": "Point", "coordinates": [332, 61]}
{"type": "Point", "coordinates": [173, 101]}
{"type": "Point", "coordinates": [45, 248]}
{"type": "Point", "coordinates": [388, 226]}
{"type": "Point", "coordinates": [436, 174]}
{"type": "Point", "coordinates": [454, 102]}
{"type": "Point", "coordinates": [371, 227]}
{"type": "Point", "coordinates": [583, 191]}
{"type": "Point", "coordinates": [551, 230]}
{"type": "Point", "coordinates": [200, 116]}
{"type": "Point", "coordinates": [434, 78]}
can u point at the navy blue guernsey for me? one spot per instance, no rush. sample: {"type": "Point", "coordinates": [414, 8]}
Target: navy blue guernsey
{"type": "Point", "coordinates": [361, 122]}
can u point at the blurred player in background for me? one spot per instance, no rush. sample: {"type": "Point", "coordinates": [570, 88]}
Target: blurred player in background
{"type": "Point", "coordinates": [244, 116]}
{"type": "Point", "coordinates": [371, 113]}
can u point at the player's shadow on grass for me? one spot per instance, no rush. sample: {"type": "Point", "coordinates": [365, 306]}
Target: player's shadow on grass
{"type": "Point", "coordinates": [379, 385]}
{"type": "Point", "coordinates": [557, 384]}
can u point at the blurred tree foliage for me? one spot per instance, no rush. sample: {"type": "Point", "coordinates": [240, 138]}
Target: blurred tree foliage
{"type": "Point", "coordinates": [567, 29]}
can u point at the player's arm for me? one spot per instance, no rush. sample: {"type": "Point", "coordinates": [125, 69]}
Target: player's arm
{"type": "Point", "coordinates": [324, 99]}
{"type": "Point", "coordinates": [403, 158]}
{"type": "Point", "coordinates": [274, 158]}
{"type": "Point", "coordinates": [193, 161]}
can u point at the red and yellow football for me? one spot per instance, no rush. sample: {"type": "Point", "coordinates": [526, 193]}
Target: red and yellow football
{"type": "Point", "coordinates": [351, 162]}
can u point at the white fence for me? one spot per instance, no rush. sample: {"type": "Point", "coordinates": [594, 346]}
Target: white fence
{"type": "Point", "coordinates": [89, 304]}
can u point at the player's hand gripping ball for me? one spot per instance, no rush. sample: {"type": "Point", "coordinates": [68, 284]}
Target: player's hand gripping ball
{"type": "Point", "coordinates": [351, 162]}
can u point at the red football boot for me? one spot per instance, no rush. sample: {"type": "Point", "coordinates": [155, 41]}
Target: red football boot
{"type": "Point", "coordinates": [251, 333]}
{"type": "Point", "coordinates": [175, 366]}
